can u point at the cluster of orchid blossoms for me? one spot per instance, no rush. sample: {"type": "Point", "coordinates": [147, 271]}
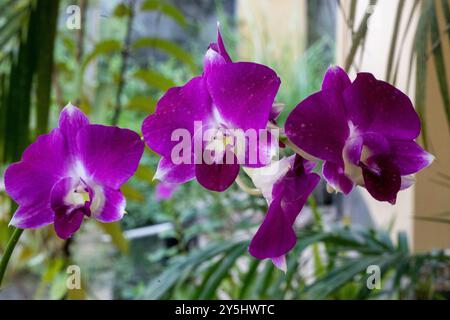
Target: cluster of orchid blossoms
{"type": "Point", "coordinates": [362, 131]}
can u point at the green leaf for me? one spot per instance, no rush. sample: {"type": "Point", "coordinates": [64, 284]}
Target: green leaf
{"type": "Point", "coordinates": [222, 270]}
{"type": "Point", "coordinates": [121, 10]}
{"type": "Point", "coordinates": [145, 173]}
{"type": "Point", "coordinates": [446, 11]}
{"type": "Point", "coordinates": [338, 277]}
{"type": "Point", "coordinates": [132, 193]}
{"type": "Point", "coordinates": [142, 103]}
{"type": "Point", "coordinates": [400, 55]}
{"type": "Point", "coordinates": [154, 79]}
{"type": "Point", "coordinates": [47, 18]}
{"type": "Point", "coordinates": [115, 231]}
{"type": "Point", "coordinates": [420, 51]}
{"type": "Point", "coordinates": [165, 8]}
{"type": "Point", "coordinates": [58, 286]}
{"type": "Point", "coordinates": [101, 48]}
{"type": "Point", "coordinates": [169, 47]}
{"type": "Point", "coordinates": [359, 35]}
{"type": "Point", "coordinates": [393, 46]}
{"type": "Point", "coordinates": [249, 278]}
{"type": "Point", "coordinates": [439, 60]}
{"type": "Point", "coordinates": [164, 282]}
{"type": "Point", "coordinates": [402, 243]}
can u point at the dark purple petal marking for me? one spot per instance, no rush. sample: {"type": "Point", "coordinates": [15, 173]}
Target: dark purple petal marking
{"type": "Point", "coordinates": [69, 206]}
{"type": "Point", "coordinates": [217, 176]}
{"type": "Point", "coordinates": [382, 178]}
{"type": "Point", "coordinates": [67, 224]}
{"type": "Point", "coordinates": [336, 177]}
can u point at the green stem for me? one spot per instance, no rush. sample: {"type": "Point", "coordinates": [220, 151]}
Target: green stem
{"type": "Point", "coordinates": [9, 250]}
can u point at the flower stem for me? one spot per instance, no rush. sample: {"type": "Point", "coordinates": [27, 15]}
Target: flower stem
{"type": "Point", "coordinates": [8, 251]}
{"type": "Point", "coordinates": [298, 151]}
{"type": "Point", "coordinates": [246, 188]}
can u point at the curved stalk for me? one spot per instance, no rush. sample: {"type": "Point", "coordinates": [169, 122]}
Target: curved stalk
{"type": "Point", "coordinates": [8, 251]}
{"type": "Point", "coordinates": [298, 151]}
{"type": "Point", "coordinates": [246, 188]}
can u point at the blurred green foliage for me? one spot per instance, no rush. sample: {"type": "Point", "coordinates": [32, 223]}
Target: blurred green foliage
{"type": "Point", "coordinates": [116, 77]}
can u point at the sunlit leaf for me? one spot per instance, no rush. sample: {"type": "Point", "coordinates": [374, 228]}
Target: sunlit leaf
{"type": "Point", "coordinates": [132, 193]}
{"type": "Point", "coordinates": [101, 48]}
{"type": "Point", "coordinates": [114, 230]}
{"type": "Point", "coordinates": [142, 103]}
{"type": "Point", "coordinates": [154, 79]}
{"type": "Point", "coordinates": [165, 8]}
{"type": "Point", "coordinates": [169, 47]}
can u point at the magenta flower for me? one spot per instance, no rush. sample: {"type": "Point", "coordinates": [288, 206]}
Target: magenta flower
{"type": "Point", "coordinates": [286, 189]}
{"type": "Point", "coordinates": [364, 131]}
{"type": "Point", "coordinates": [75, 171]}
{"type": "Point", "coordinates": [227, 96]}
{"type": "Point", "coordinates": [164, 190]}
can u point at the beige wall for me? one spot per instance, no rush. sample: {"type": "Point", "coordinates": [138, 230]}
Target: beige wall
{"type": "Point", "coordinates": [432, 199]}
{"type": "Point", "coordinates": [426, 198]}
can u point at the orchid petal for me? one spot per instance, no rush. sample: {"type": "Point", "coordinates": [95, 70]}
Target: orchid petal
{"type": "Point", "coordinates": [382, 178]}
{"type": "Point", "coordinates": [335, 79]}
{"type": "Point", "coordinates": [243, 93]}
{"type": "Point", "coordinates": [30, 181]}
{"type": "Point", "coordinates": [409, 157]}
{"type": "Point", "coordinates": [67, 224]}
{"type": "Point", "coordinates": [178, 109]}
{"type": "Point", "coordinates": [336, 177]}
{"type": "Point", "coordinates": [217, 176]}
{"type": "Point", "coordinates": [172, 173]}
{"type": "Point", "coordinates": [71, 120]}
{"type": "Point", "coordinates": [108, 205]}
{"type": "Point", "coordinates": [319, 127]}
{"type": "Point", "coordinates": [377, 106]}
{"type": "Point", "coordinates": [110, 155]}
{"type": "Point", "coordinates": [276, 236]}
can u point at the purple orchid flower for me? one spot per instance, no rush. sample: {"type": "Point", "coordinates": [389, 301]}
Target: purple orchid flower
{"type": "Point", "coordinates": [228, 95]}
{"type": "Point", "coordinates": [73, 172]}
{"type": "Point", "coordinates": [286, 185]}
{"type": "Point", "coordinates": [364, 131]}
{"type": "Point", "coordinates": [165, 191]}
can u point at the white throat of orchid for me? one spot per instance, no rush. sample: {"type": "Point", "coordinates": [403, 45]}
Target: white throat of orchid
{"type": "Point", "coordinates": [78, 196]}
{"type": "Point", "coordinates": [85, 190]}
{"type": "Point", "coordinates": [351, 170]}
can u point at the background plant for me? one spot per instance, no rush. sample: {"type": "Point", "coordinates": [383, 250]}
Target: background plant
{"type": "Point", "coordinates": [115, 68]}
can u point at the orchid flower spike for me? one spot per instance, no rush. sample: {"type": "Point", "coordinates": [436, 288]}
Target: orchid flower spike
{"type": "Point", "coordinates": [228, 96]}
{"type": "Point", "coordinates": [364, 131]}
{"type": "Point", "coordinates": [71, 173]}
